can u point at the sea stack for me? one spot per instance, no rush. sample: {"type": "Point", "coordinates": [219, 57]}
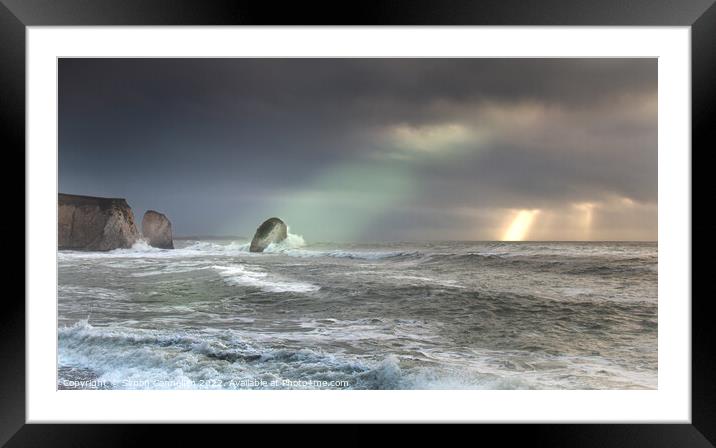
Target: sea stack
{"type": "Point", "coordinates": [273, 230]}
{"type": "Point", "coordinates": [157, 230]}
{"type": "Point", "coordinates": [93, 223]}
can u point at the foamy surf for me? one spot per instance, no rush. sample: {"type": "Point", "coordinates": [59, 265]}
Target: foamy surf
{"type": "Point", "coordinates": [291, 242]}
{"type": "Point", "coordinates": [246, 275]}
{"type": "Point", "coordinates": [120, 358]}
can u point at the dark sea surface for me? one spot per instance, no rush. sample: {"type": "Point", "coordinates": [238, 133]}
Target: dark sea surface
{"type": "Point", "coordinates": [443, 315]}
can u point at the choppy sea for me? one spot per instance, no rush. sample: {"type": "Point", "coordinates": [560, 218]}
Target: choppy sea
{"type": "Point", "coordinates": [439, 315]}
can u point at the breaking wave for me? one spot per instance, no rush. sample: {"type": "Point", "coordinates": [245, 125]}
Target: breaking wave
{"type": "Point", "coordinates": [120, 358]}
{"type": "Point", "coordinates": [291, 242]}
{"type": "Point", "coordinates": [246, 275]}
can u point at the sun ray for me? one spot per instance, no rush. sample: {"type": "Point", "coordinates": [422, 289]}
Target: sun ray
{"type": "Point", "coordinates": [587, 209]}
{"type": "Point", "coordinates": [520, 225]}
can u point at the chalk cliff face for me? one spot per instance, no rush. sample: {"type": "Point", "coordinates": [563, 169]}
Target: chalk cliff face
{"type": "Point", "coordinates": [273, 230]}
{"type": "Point", "coordinates": [92, 223]}
{"type": "Point", "coordinates": [157, 230]}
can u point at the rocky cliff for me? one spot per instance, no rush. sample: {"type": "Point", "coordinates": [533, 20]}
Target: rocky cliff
{"type": "Point", "coordinates": [92, 223]}
{"type": "Point", "coordinates": [273, 230]}
{"type": "Point", "coordinates": [157, 230]}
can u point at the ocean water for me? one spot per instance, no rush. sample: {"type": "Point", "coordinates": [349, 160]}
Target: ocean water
{"type": "Point", "coordinates": [442, 315]}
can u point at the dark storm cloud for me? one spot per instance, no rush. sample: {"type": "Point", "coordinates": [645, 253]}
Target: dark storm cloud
{"type": "Point", "coordinates": [215, 142]}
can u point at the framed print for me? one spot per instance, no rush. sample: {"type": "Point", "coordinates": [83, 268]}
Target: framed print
{"type": "Point", "coordinates": [352, 224]}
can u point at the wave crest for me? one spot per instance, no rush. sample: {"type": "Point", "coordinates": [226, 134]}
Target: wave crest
{"type": "Point", "coordinates": [244, 275]}
{"type": "Point", "coordinates": [291, 242]}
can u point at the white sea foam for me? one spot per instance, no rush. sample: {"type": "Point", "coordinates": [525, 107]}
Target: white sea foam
{"type": "Point", "coordinates": [294, 246]}
{"type": "Point", "coordinates": [131, 358]}
{"type": "Point", "coordinates": [245, 275]}
{"type": "Point", "coordinates": [291, 242]}
{"type": "Point", "coordinates": [149, 359]}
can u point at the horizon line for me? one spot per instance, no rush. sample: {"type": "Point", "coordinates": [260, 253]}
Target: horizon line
{"type": "Point", "coordinates": [188, 237]}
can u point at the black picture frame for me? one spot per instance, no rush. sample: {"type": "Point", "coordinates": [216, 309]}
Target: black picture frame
{"type": "Point", "coordinates": [700, 15]}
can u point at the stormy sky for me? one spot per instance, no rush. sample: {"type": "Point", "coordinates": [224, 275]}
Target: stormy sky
{"type": "Point", "coordinates": [369, 149]}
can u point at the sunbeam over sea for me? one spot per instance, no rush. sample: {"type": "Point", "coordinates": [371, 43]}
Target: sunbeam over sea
{"type": "Point", "coordinates": [439, 315]}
